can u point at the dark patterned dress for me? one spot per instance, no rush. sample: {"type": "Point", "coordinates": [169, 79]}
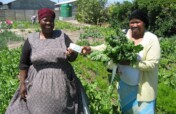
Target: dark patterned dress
{"type": "Point", "coordinates": [52, 86]}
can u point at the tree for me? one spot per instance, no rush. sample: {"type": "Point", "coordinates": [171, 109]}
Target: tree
{"type": "Point", "coordinates": [118, 14]}
{"type": "Point", "coordinates": [91, 11]}
{"type": "Point", "coordinates": [161, 15]}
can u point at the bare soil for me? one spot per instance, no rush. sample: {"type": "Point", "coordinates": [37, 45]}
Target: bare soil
{"type": "Point", "coordinates": [74, 36]}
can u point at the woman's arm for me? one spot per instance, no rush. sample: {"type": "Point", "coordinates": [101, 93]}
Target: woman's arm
{"type": "Point", "coordinates": [23, 90]}
{"type": "Point", "coordinates": [25, 61]}
{"type": "Point", "coordinates": [98, 48]}
{"type": "Point", "coordinates": [23, 75]}
{"type": "Point", "coordinates": [71, 55]}
{"type": "Point", "coordinates": [88, 49]}
{"type": "Point", "coordinates": [153, 53]}
{"type": "Point", "coordinates": [24, 66]}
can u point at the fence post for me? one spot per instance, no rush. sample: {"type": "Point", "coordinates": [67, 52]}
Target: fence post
{"type": "Point", "coordinates": [15, 15]}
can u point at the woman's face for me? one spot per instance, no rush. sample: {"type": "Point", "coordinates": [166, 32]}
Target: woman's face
{"type": "Point", "coordinates": [47, 24]}
{"type": "Point", "coordinates": [137, 27]}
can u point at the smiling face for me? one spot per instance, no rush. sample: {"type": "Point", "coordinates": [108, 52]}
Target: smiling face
{"type": "Point", "coordinates": [47, 25]}
{"type": "Point", "coordinates": [137, 27]}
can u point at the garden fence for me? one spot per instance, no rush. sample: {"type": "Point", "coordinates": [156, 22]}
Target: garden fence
{"type": "Point", "coordinates": [19, 15]}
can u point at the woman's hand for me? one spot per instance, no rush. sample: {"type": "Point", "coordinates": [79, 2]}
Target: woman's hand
{"type": "Point", "coordinates": [69, 52]}
{"type": "Point", "coordinates": [86, 50]}
{"type": "Point", "coordinates": [23, 91]}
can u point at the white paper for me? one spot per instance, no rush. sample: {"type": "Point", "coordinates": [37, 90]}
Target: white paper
{"type": "Point", "coordinates": [75, 47]}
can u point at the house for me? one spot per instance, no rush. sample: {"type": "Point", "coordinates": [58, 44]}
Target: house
{"type": "Point", "coordinates": [3, 5]}
{"type": "Point", "coordinates": [30, 4]}
{"type": "Point", "coordinates": [23, 10]}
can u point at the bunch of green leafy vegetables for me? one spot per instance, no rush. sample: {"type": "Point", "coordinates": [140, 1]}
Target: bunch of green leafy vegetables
{"type": "Point", "coordinates": [118, 48]}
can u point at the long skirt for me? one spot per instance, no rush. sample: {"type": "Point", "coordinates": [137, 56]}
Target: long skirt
{"type": "Point", "coordinates": [127, 95]}
{"type": "Point", "coordinates": [50, 91]}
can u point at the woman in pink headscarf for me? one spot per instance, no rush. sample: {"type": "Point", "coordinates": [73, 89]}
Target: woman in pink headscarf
{"type": "Point", "coordinates": [48, 83]}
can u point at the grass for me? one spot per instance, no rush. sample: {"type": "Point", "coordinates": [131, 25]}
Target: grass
{"type": "Point", "coordinates": [91, 71]}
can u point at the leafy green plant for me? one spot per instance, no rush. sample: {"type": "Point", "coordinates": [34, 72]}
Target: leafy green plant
{"type": "Point", "coordinates": [65, 25]}
{"type": "Point", "coordinates": [168, 46]}
{"type": "Point", "coordinates": [90, 32]}
{"type": "Point", "coordinates": [165, 101]}
{"type": "Point", "coordinates": [4, 25]}
{"type": "Point", "coordinates": [102, 101]}
{"type": "Point", "coordinates": [7, 36]}
{"type": "Point", "coordinates": [118, 49]}
{"type": "Point", "coordinates": [167, 63]}
{"type": "Point", "coordinates": [24, 25]}
{"type": "Point", "coordinates": [8, 76]}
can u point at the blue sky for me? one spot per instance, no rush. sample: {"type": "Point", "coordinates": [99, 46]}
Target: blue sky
{"type": "Point", "coordinates": [109, 1]}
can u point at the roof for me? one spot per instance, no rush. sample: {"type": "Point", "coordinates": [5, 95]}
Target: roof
{"type": "Point", "coordinates": [7, 1]}
{"type": "Point", "coordinates": [70, 1]}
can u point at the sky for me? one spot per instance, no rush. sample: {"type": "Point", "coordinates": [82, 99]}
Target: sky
{"type": "Point", "coordinates": [109, 1]}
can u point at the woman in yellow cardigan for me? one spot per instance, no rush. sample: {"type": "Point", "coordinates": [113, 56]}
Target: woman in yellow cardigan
{"type": "Point", "coordinates": [137, 88]}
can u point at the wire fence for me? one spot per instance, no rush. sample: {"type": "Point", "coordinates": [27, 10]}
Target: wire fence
{"type": "Point", "coordinates": [20, 15]}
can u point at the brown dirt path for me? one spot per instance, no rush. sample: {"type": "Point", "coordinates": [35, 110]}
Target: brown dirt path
{"type": "Point", "coordinates": [74, 36]}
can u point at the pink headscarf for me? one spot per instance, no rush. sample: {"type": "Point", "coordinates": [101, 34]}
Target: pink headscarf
{"type": "Point", "coordinates": [44, 12]}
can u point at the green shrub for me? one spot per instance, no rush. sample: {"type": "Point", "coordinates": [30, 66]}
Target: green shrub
{"type": "Point", "coordinates": [159, 11]}
{"type": "Point", "coordinates": [7, 36]}
{"type": "Point", "coordinates": [91, 11]}
{"type": "Point", "coordinates": [161, 14]}
{"type": "Point", "coordinates": [119, 14]}
{"type": "Point", "coordinates": [166, 100]}
{"type": "Point", "coordinates": [8, 76]}
{"type": "Point", "coordinates": [167, 63]}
